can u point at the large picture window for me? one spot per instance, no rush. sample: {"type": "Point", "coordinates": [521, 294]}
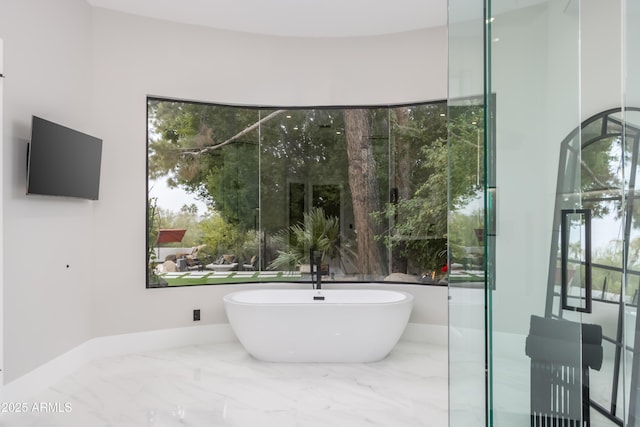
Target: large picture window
{"type": "Point", "coordinates": [242, 194]}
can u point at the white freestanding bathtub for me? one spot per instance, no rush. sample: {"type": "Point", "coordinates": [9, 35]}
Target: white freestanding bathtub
{"type": "Point", "coordinates": [298, 325]}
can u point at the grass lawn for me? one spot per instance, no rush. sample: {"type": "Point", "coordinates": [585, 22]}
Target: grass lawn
{"type": "Point", "coordinates": [215, 277]}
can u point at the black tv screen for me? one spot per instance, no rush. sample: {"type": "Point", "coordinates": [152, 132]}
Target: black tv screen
{"type": "Point", "coordinates": [62, 161]}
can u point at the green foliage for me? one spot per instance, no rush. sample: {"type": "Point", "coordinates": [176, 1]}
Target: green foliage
{"type": "Point", "coordinates": [153, 221]}
{"type": "Point", "coordinates": [463, 227]}
{"type": "Point", "coordinates": [305, 147]}
{"type": "Point", "coordinates": [181, 137]}
{"type": "Point", "coordinates": [420, 221]}
{"type": "Point", "coordinates": [153, 226]}
{"type": "Point", "coordinates": [600, 166]}
{"type": "Point", "coordinates": [610, 255]}
{"type": "Point", "coordinates": [300, 147]}
{"type": "Point", "coordinates": [466, 154]}
{"type": "Point", "coordinates": [318, 233]}
{"type": "Point", "coordinates": [222, 237]}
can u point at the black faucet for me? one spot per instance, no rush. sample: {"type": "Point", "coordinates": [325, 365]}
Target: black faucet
{"type": "Point", "coordinates": [318, 261]}
{"type": "Point", "coordinates": [318, 271]}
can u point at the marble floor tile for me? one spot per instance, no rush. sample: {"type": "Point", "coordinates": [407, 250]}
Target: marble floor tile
{"type": "Point", "coordinates": [221, 385]}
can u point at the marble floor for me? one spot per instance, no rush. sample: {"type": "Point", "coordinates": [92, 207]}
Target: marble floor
{"type": "Point", "coordinates": [221, 385]}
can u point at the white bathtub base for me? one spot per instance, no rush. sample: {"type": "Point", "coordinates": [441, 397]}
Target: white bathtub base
{"type": "Point", "coordinates": [349, 326]}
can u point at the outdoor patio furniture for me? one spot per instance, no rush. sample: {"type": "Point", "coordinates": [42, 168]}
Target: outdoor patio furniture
{"type": "Point", "coordinates": [191, 261]}
{"type": "Point", "coordinates": [224, 263]}
{"type": "Point", "coordinates": [253, 264]}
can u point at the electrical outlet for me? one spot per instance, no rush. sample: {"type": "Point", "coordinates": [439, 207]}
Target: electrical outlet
{"type": "Point", "coordinates": [196, 315]}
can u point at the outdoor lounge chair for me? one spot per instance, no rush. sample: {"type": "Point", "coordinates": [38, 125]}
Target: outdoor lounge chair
{"type": "Point", "coordinates": [253, 264]}
{"type": "Point", "coordinates": [224, 263]}
{"type": "Point", "coordinates": [190, 261]}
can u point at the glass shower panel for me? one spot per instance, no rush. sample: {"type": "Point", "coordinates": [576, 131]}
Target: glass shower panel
{"type": "Point", "coordinates": [631, 101]}
{"type": "Point", "coordinates": [567, 196]}
{"type": "Point", "coordinates": [467, 233]}
{"type": "Point", "coordinates": [609, 166]}
{"type": "Point", "coordinates": [536, 366]}
{"type": "Point", "coordinates": [547, 71]}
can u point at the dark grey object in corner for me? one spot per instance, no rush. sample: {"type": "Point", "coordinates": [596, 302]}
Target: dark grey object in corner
{"type": "Point", "coordinates": [562, 352]}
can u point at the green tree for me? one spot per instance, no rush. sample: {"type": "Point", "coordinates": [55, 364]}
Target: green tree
{"type": "Point", "coordinates": [197, 147]}
{"type": "Point", "coordinates": [365, 190]}
{"type": "Point", "coordinates": [213, 151]}
{"type": "Point", "coordinates": [426, 179]}
{"type": "Point", "coordinates": [299, 147]}
{"type": "Point", "coordinates": [221, 237]}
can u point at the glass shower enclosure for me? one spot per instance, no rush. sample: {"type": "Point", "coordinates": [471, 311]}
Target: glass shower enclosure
{"type": "Point", "coordinates": [543, 333]}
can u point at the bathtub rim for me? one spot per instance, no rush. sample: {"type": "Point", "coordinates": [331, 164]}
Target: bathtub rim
{"type": "Point", "coordinates": [229, 297]}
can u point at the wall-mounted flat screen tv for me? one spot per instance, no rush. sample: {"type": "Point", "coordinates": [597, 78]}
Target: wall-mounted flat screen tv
{"type": "Point", "coordinates": [62, 161]}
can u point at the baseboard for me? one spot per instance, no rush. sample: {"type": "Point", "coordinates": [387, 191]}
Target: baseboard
{"type": "Point", "coordinates": [44, 376]}
{"type": "Point", "coordinates": [430, 334]}
{"type": "Point", "coordinates": [116, 345]}
{"type": "Point", "coordinates": [53, 371]}
{"type": "Point", "coordinates": [34, 382]}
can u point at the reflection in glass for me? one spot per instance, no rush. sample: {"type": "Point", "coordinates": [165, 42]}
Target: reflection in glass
{"type": "Point", "coordinates": [576, 260]}
{"type": "Point", "coordinates": [607, 149]}
{"type": "Point", "coordinates": [367, 187]}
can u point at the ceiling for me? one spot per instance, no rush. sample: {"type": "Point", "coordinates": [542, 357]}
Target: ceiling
{"type": "Point", "coordinates": [293, 18]}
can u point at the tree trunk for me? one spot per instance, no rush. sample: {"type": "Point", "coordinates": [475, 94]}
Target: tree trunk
{"type": "Point", "coordinates": [364, 191]}
{"type": "Point", "coordinates": [402, 180]}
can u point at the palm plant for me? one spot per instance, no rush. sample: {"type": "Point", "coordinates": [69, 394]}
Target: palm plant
{"type": "Point", "coordinates": [317, 233]}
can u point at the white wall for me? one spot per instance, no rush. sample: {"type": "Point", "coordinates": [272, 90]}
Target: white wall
{"type": "Point", "coordinates": [1, 218]}
{"type": "Point", "coordinates": [47, 62]}
{"type": "Point", "coordinates": [135, 57]}
{"type": "Point", "coordinates": [91, 69]}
